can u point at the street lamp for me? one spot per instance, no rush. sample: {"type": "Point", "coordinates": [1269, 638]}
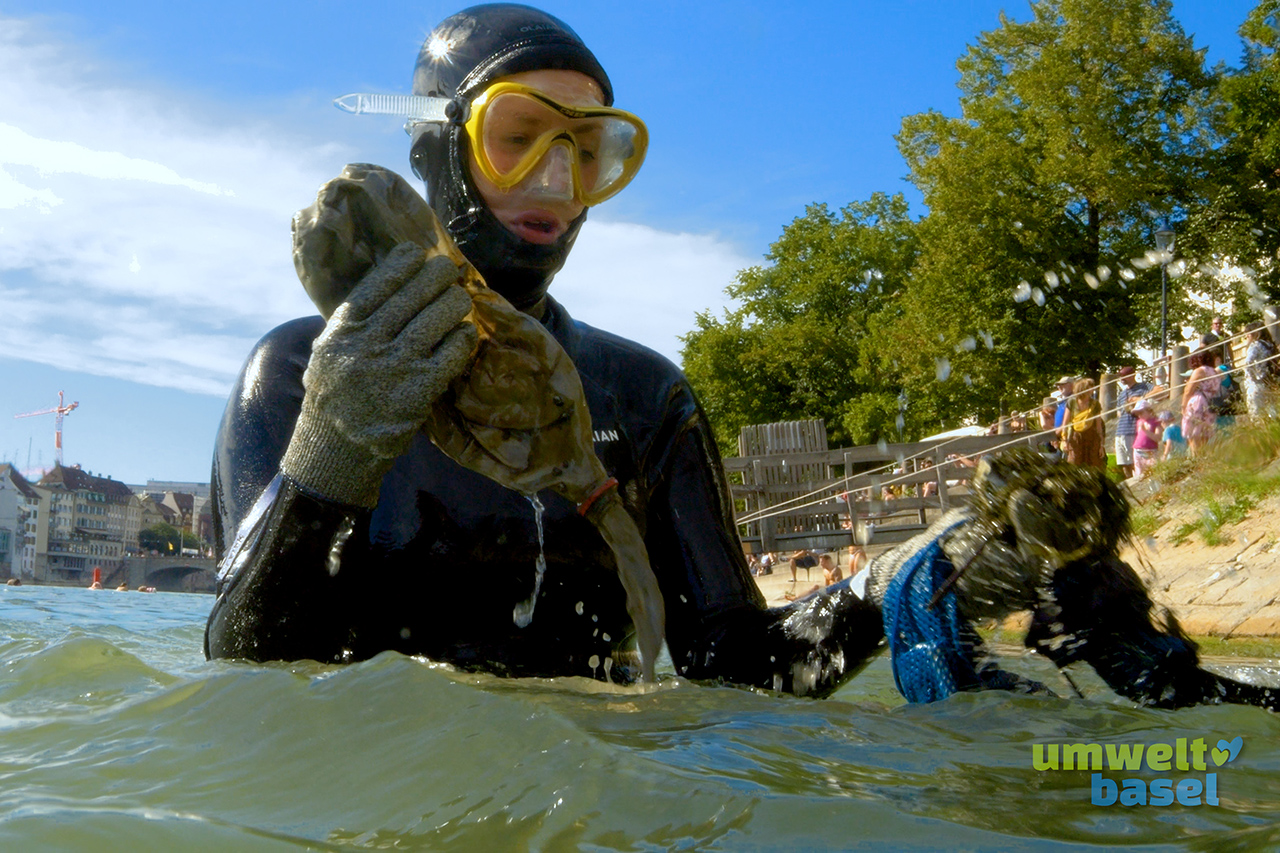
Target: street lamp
{"type": "Point", "coordinates": [1164, 244]}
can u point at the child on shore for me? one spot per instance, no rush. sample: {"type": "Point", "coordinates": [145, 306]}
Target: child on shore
{"type": "Point", "coordinates": [1172, 442]}
{"type": "Point", "coordinates": [1147, 439]}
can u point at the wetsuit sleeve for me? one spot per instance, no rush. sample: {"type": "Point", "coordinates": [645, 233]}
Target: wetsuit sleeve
{"type": "Point", "coordinates": [718, 626]}
{"type": "Point", "coordinates": [281, 593]}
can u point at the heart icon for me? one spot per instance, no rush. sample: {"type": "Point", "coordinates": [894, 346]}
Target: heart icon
{"type": "Point", "coordinates": [1227, 750]}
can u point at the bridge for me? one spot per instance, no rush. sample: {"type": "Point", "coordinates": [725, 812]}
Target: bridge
{"type": "Point", "coordinates": [167, 573]}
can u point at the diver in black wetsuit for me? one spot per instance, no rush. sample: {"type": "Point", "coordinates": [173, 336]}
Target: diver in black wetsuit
{"type": "Point", "coordinates": [338, 528]}
{"type": "Point", "coordinates": [337, 519]}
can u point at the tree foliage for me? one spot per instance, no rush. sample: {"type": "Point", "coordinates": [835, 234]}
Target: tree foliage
{"type": "Point", "coordinates": [1238, 225]}
{"type": "Point", "coordinates": [793, 346]}
{"type": "Point", "coordinates": [1079, 130]}
{"type": "Point", "coordinates": [1082, 131]}
{"type": "Point", "coordinates": [161, 537]}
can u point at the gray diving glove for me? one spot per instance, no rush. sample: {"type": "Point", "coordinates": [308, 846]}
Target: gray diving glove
{"type": "Point", "coordinates": [383, 358]}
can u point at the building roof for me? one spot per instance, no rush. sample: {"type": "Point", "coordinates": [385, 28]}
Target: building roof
{"type": "Point", "coordinates": [21, 483]}
{"type": "Point", "coordinates": [181, 501]}
{"type": "Point", "coordinates": [74, 479]}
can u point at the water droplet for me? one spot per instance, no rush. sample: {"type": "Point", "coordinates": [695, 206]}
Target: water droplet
{"type": "Point", "coordinates": [968, 380]}
{"type": "Point", "coordinates": [1037, 296]}
{"type": "Point", "coordinates": [1051, 278]}
{"type": "Point", "coordinates": [606, 638]}
{"type": "Point", "coordinates": [987, 341]}
{"type": "Point", "coordinates": [1017, 223]}
{"type": "Point", "coordinates": [577, 608]}
{"type": "Point", "coordinates": [1077, 304]}
{"type": "Point", "coordinates": [593, 661]}
{"type": "Point", "coordinates": [943, 371]}
{"type": "Point", "coordinates": [900, 423]}
{"type": "Point", "coordinates": [1128, 274]}
{"type": "Point", "coordinates": [968, 344]}
{"type": "Point", "coordinates": [1032, 349]}
{"type": "Point", "coordinates": [862, 533]}
{"type": "Point", "coordinates": [595, 618]}
{"type": "Point", "coordinates": [1092, 280]}
{"type": "Point", "coordinates": [1022, 292]}
{"type": "Point", "coordinates": [882, 445]}
{"type": "Point", "coordinates": [1104, 273]}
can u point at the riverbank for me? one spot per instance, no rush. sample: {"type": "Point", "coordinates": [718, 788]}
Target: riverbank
{"type": "Point", "coordinates": [1208, 554]}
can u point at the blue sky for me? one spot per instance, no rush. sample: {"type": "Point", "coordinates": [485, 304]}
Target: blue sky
{"type": "Point", "coordinates": [151, 155]}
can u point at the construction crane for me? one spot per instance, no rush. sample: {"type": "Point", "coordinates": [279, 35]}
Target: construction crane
{"type": "Point", "coordinates": [59, 411]}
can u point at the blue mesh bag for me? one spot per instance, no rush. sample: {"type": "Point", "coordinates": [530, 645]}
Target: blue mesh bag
{"type": "Point", "coordinates": [929, 657]}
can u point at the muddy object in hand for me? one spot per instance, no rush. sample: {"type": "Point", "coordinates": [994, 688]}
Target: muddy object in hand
{"type": "Point", "coordinates": [518, 414]}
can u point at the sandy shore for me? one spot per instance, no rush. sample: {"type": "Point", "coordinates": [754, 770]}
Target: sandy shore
{"type": "Point", "coordinates": [776, 586]}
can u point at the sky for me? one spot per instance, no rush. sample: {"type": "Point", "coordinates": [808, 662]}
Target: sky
{"type": "Point", "coordinates": [152, 155]}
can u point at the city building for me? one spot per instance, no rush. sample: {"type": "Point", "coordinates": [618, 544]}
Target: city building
{"type": "Point", "coordinates": [82, 522]}
{"type": "Point", "coordinates": [19, 504]}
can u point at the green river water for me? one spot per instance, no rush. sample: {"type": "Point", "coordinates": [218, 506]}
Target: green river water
{"type": "Point", "coordinates": [117, 735]}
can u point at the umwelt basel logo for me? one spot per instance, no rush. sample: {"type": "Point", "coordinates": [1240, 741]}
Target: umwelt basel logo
{"type": "Point", "coordinates": [1187, 768]}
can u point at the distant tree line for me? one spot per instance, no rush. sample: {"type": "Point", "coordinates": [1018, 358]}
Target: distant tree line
{"type": "Point", "coordinates": [1082, 132]}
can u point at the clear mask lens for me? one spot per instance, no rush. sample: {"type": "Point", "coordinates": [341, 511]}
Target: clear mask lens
{"type": "Point", "coordinates": [552, 178]}
{"type": "Point", "coordinates": [519, 131]}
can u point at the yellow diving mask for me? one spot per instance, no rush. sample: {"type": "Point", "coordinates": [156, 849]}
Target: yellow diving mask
{"type": "Point", "coordinates": [514, 128]}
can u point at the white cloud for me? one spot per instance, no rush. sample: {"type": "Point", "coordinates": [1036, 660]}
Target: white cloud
{"type": "Point", "coordinates": [51, 157]}
{"type": "Point", "coordinates": [143, 238]}
{"type": "Point", "coordinates": [645, 284]}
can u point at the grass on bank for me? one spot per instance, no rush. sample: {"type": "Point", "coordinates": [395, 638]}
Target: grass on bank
{"type": "Point", "coordinates": [1239, 468]}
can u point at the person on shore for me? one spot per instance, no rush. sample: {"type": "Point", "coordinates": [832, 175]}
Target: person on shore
{"type": "Point", "coordinates": [802, 559]}
{"type": "Point", "coordinates": [857, 560]}
{"type": "Point", "coordinates": [1084, 434]}
{"type": "Point", "coordinates": [1048, 408]}
{"type": "Point", "coordinates": [1131, 390]}
{"type": "Point", "coordinates": [1198, 420]}
{"type": "Point", "coordinates": [1065, 388]}
{"type": "Point", "coordinates": [831, 574]}
{"type": "Point", "coordinates": [1260, 370]}
{"type": "Point", "coordinates": [1172, 444]}
{"type": "Point", "coordinates": [1146, 441]}
{"type": "Point", "coordinates": [1215, 340]}
{"type": "Point", "coordinates": [332, 546]}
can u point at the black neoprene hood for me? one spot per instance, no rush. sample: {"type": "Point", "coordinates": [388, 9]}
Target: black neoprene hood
{"type": "Point", "coordinates": [463, 54]}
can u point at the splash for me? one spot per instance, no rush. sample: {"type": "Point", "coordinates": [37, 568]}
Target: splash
{"type": "Point", "coordinates": [522, 615]}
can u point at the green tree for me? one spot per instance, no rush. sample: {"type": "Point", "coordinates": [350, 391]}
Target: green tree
{"type": "Point", "coordinates": [793, 346]}
{"type": "Point", "coordinates": [1236, 230]}
{"type": "Point", "coordinates": [161, 537]}
{"type": "Point", "coordinates": [1079, 130]}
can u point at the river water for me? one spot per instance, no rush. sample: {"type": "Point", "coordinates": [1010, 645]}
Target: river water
{"type": "Point", "coordinates": [116, 734]}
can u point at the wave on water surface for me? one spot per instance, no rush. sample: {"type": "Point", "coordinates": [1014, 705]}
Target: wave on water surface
{"type": "Point", "coordinates": [115, 734]}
